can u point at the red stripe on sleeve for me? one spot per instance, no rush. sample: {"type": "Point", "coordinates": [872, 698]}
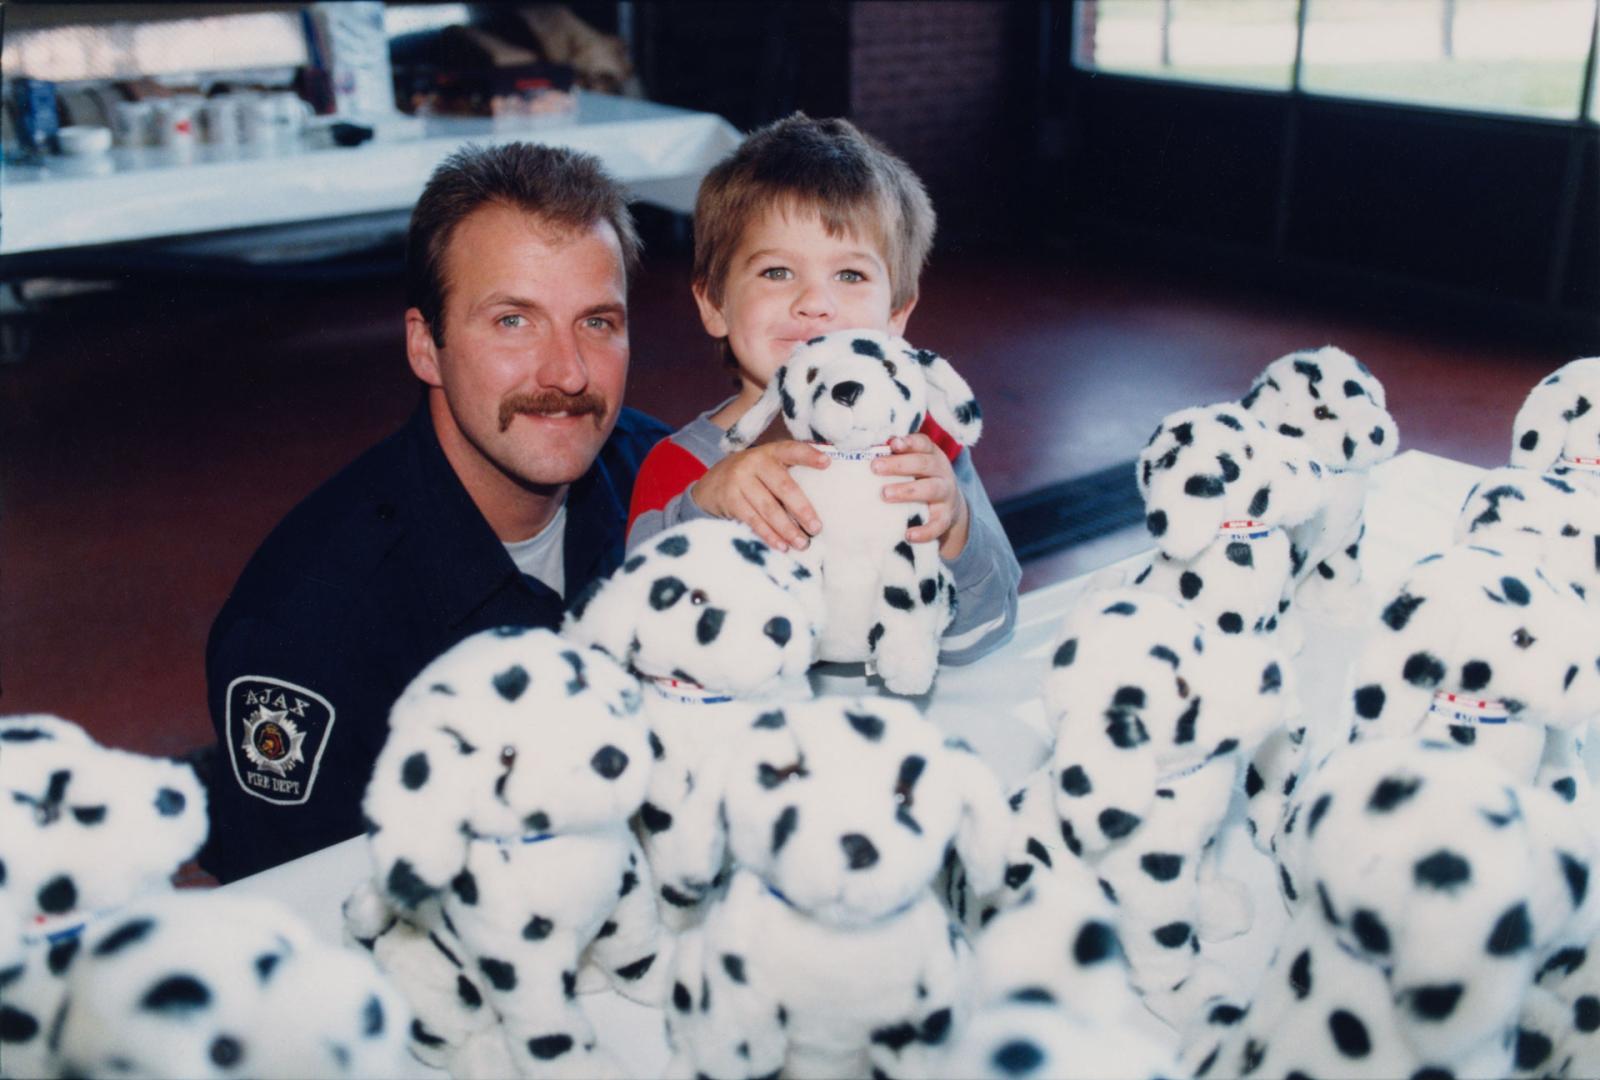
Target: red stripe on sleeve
{"type": "Point", "coordinates": [941, 438]}
{"type": "Point", "coordinates": [667, 470]}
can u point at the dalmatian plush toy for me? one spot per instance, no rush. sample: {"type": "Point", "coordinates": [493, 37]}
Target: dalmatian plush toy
{"type": "Point", "coordinates": [1540, 517]}
{"type": "Point", "coordinates": [1329, 399]}
{"type": "Point", "coordinates": [1054, 998]}
{"type": "Point", "coordinates": [84, 830]}
{"type": "Point", "coordinates": [1558, 1032]}
{"type": "Point", "coordinates": [717, 626]}
{"type": "Point", "coordinates": [830, 954]}
{"type": "Point", "coordinates": [1157, 718]}
{"type": "Point", "coordinates": [1220, 492]}
{"type": "Point", "coordinates": [503, 861]}
{"type": "Point", "coordinates": [1557, 430]}
{"type": "Point", "coordinates": [849, 393]}
{"type": "Point", "coordinates": [1437, 884]}
{"type": "Point", "coordinates": [198, 984]}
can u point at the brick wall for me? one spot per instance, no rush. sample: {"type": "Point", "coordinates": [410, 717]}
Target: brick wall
{"type": "Point", "coordinates": [936, 82]}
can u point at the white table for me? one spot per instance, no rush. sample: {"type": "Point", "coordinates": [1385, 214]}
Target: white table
{"type": "Point", "coordinates": [993, 704]}
{"type": "Point", "coordinates": [659, 152]}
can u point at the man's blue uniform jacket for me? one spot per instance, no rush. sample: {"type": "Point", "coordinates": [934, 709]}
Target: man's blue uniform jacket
{"type": "Point", "coordinates": [377, 572]}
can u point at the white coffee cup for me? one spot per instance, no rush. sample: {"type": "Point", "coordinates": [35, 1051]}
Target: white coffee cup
{"type": "Point", "coordinates": [133, 123]}
{"type": "Point", "coordinates": [290, 114]}
{"type": "Point", "coordinates": [219, 120]}
{"type": "Point", "coordinates": [175, 124]}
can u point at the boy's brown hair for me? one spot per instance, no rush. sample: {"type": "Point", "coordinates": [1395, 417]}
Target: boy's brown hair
{"type": "Point", "coordinates": [852, 182]}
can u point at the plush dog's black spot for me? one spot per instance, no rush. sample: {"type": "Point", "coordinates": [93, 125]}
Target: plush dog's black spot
{"type": "Point", "coordinates": [1515, 591]}
{"type": "Point", "coordinates": [1190, 584]}
{"type": "Point", "coordinates": [1565, 960]}
{"type": "Point", "coordinates": [422, 1035]}
{"type": "Point", "coordinates": [1117, 823]}
{"type": "Point", "coordinates": [967, 412]}
{"type": "Point", "coordinates": [1529, 440]}
{"type": "Point", "coordinates": [1463, 734]}
{"type": "Point", "coordinates": [124, 935]}
{"type": "Point", "coordinates": [1070, 838]}
{"type": "Point", "coordinates": [896, 1037]}
{"type": "Point", "coordinates": [898, 598]}
{"type": "Point", "coordinates": [869, 727]}
{"type": "Point", "coordinates": [170, 803]}
{"type": "Point", "coordinates": [928, 589]}
{"type": "Point", "coordinates": [501, 974]}
{"type": "Point", "coordinates": [1065, 653]}
{"type": "Point", "coordinates": [1435, 1002]}
{"type": "Point", "coordinates": [1128, 697]}
{"type": "Point", "coordinates": [1075, 782]}
{"type": "Point", "coordinates": [630, 881]}
{"type": "Point", "coordinates": [1533, 1049]}
{"type": "Point", "coordinates": [633, 564]}
{"type": "Point", "coordinates": [874, 636]}
{"type": "Point", "coordinates": [1392, 791]}
{"type": "Point", "coordinates": [653, 818]}
{"type": "Point", "coordinates": [1096, 941]}
{"type": "Point", "coordinates": [674, 546]}
{"type": "Point", "coordinates": [1300, 975]}
{"type": "Point", "coordinates": [89, 815]}
{"type": "Point", "coordinates": [1202, 486]}
{"type": "Point", "coordinates": [1183, 433]}
{"type": "Point", "coordinates": [935, 1027]}
{"type": "Point", "coordinates": [1444, 869]}
{"type": "Point", "coordinates": [468, 993]}
{"type": "Point", "coordinates": [1577, 410]}
{"type": "Point", "coordinates": [58, 895]}
{"type": "Point", "coordinates": [1252, 782]}
{"type": "Point", "coordinates": [61, 954]}
{"type": "Point", "coordinates": [538, 821]}
{"type": "Point", "coordinates": [1423, 670]}
{"type": "Point", "coordinates": [636, 970]}
{"type": "Point", "coordinates": [1238, 553]}
{"type": "Point", "coordinates": [1566, 787]}
{"type": "Point", "coordinates": [866, 347]}
{"type": "Point", "coordinates": [1230, 468]}
{"type": "Point", "coordinates": [1349, 1034]}
{"type": "Point", "coordinates": [1576, 874]}
{"type": "Point", "coordinates": [1512, 932]}
{"type": "Point", "coordinates": [549, 1047]}
{"type": "Point", "coordinates": [666, 591]}
{"type": "Point", "coordinates": [176, 994]}
{"type": "Point", "coordinates": [538, 928]}
{"type": "Point", "coordinates": [1161, 866]}
{"type": "Point", "coordinates": [1376, 435]}
{"type": "Point", "coordinates": [1184, 732]}
{"type": "Point", "coordinates": [1349, 448]}
{"type": "Point", "coordinates": [465, 886]}
{"type": "Point", "coordinates": [1475, 675]}
{"type": "Point", "coordinates": [1156, 522]}
{"type": "Point", "coordinates": [676, 898]}
{"type": "Point", "coordinates": [1230, 622]}
{"type": "Point", "coordinates": [709, 625]}
{"type": "Point", "coordinates": [414, 771]}
{"type": "Point", "coordinates": [511, 682]}
{"type": "Point", "coordinates": [1290, 430]}
{"type": "Point", "coordinates": [16, 1026]}
{"type": "Point", "coordinates": [1173, 935]}
{"type": "Point", "coordinates": [609, 762]}
{"type": "Point", "coordinates": [1125, 730]}
{"type": "Point", "coordinates": [1017, 875]}
{"type": "Point", "coordinates": [1371, 933]}
{"type": "Point", "coordinates": [1400, 610]}
{"type": "Point", "coordinates": [1586, 1014]}
{"type": "Point", "coordinates": [682, 1000]}
{"type": "Point", "coordinates": [859, 851]}
{"type": "Point", "coordinates": [1297, 559]}
{"type": "Point", "coordinates": [784, 826]}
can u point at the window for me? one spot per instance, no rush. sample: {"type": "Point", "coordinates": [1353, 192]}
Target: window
{"type": "Point", "coordinates": [1525, 57]}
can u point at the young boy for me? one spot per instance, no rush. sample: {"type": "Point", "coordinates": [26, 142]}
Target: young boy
{"type": "Point", "coordinates": [811, 226]}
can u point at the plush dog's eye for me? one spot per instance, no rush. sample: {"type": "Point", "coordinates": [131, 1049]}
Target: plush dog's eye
{"type": "Point", "coordinates": [1522, 639]}
{"type": "Point", "coordinates": [902, 794]}
{"type": "Point", "coordinates": [508, 756]}
{"type": "Point", "coordinates": [1323, 413]}
{"type": "Point", "coordinates": [698, 597]}
{"type": "Point", "coordinates": [888, 365]}
{"type": "Point", "coordinates": [811, 375]}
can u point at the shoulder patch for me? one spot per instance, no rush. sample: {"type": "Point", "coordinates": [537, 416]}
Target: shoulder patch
{"type": "Point", "coordinates": [276, 734]}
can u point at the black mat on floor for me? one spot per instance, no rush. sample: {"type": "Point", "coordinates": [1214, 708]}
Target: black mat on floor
{"type": "Point", "coordinates": [1072, 512]}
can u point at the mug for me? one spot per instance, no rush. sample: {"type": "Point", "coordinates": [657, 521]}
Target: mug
{"type": "Point", "coordinates": [219, 120]}
{"type": "Point", "coordinates": [133, 123]}
{"type": "Point", "coordinates": [175, 124]}
{"type": "Point", "coordinates": [290, 114]}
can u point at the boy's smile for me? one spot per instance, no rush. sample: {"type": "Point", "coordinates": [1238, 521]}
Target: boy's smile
{"type": "Point", "coordinates": [789, 281]}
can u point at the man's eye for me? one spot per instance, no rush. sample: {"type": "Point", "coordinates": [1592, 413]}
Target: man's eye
{"type": "Point", "coordinates": [597, 322]}
{"type": "Point", "coordinates": [776, 273]}
{"type": "Point", "coordinates": [851, 276]}
{"type": "Point", "coordinates": [513, 320]}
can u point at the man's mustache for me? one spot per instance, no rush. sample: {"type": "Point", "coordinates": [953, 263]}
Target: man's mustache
{"type": "Point", "coordinates": [551, 401]}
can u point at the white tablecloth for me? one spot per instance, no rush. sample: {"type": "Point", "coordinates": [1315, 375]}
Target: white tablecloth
{"type": "Point", "coordinates": [1411, 510]}
{"type": "Point", "coordinates": [659, 152]}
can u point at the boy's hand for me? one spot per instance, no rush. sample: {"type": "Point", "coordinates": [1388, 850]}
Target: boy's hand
{"type": "Point", "coordinates": [934, 482]}
{"type": "Point", "coordinates": [754, 486]}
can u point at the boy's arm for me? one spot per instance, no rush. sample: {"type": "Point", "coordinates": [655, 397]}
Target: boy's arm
{"type": "Point", "coordinates": [661, 492]}
{"type": "Point", "coordinates": [986, 575]}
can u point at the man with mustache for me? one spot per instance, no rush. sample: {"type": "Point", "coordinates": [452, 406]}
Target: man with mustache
{"type": "Point", "coordinates": [506, 492]}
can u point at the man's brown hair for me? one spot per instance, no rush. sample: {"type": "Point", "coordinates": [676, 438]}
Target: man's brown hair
{"type": "Point", "coordinates": [849, 179]}
{"type": "Point", "coordinates": [565, 189]}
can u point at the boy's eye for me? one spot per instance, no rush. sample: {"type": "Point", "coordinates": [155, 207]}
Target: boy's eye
{"type": "Point", "coordinates": [851, 275]}
{"type": "Point", "coordinates": [776, 273]}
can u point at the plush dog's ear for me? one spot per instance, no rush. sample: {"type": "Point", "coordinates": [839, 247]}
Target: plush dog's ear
{"type": "Point", "coordinates": [950, 399]}
{"type": "Point", "coordinates": [985, 828]}
{"type": "Point", "coordinates": [417, 844]}
{"type": "Point", "coordinates": [609, 617]}
{"type": "Point", "coordinates": [1182, 492]}
{"type": "Point", "coordinates": [1294, 477]}
{"type": "Point", "coordinates": [1105, 775]}
{"type": "Point", "coordinates": [1539, 433]}
{"type": "Point", "coordinates": [748, 428]}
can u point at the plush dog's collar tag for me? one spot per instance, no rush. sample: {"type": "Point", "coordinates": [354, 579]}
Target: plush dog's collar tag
{"type": "Point", "coordinates": [867, 454]}
{"type": "Point", "coordinates": [55, 929]}
{"type": "Point", "coordinates": [1246, 529]}
{"type": "Point", "coordinates": [1580, 464]}
{"type": "Point", "coordinates": [516, 841]}
{"type": "Point", "coordinates": [684, 692]}
{"type": "Point", "coordinates": [1464, 710]}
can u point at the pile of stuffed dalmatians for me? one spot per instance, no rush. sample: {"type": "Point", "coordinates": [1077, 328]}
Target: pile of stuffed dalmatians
{"type": "Point", "coordinates": [654, 801]}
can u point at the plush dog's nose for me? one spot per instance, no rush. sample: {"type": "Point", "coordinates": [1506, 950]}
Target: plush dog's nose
{"type": "Point", "coordinates": [778, 630]}
{"type": "Point", "coordinates": [845, 393]}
